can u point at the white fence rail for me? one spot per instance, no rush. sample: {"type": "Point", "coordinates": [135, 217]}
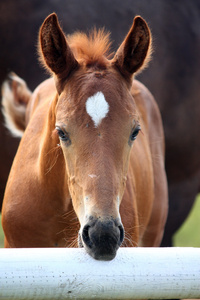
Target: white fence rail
{"type": "Point", "coordinates": [135, 273]}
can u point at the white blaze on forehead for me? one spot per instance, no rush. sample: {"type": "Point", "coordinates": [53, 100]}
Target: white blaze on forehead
{"type": "Point", "coordinates": [97, 107]}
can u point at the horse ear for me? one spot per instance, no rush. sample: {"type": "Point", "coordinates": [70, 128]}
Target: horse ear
{"type": "Point", "coordinates": [134, 52]}
{"type": "Point", "coordinates": [55, 51]}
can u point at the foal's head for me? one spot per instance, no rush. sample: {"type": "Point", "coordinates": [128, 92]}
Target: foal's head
{"type": "Point", "coordinates": [97, 123]}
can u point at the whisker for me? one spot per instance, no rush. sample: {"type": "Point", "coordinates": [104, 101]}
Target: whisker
{"type": "Point", "coordinates": [68, 214]}
{"type": "Point", "coordinates": [128, 241]}
{"type": "Point", "coordinates": [71, 228]}
{"type": "Point", "coordinates": [57, 152]}
{"type": "Point", "coordinates": [73, 244]}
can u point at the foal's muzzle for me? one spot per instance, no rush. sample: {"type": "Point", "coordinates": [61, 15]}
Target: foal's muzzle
{"type": "Point", "coordinates": [102, 238]}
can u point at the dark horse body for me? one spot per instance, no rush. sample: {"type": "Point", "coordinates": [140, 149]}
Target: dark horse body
{"type": "Point", "coordinates": [173, 77]}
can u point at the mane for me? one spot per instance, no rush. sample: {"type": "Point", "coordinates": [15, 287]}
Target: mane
{"type": "Point", "coordinates": [92, 47]}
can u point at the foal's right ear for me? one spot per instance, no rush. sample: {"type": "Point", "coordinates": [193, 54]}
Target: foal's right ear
{"type": "Point", "coordinates": [55, 52]}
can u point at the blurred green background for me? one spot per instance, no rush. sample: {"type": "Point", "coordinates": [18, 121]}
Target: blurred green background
{"type": "Point", "coordinates": [187, 236]}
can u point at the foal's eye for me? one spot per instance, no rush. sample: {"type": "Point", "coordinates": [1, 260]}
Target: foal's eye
{"type": "Point", "coordinates": [64, 136]}
{"type": "Point", "coordinates": [135, 133]}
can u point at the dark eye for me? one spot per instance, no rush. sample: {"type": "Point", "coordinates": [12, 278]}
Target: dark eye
{"type": "Point", "coordinates": [64, 136]}
{"type": "Point", "coordinates": [135, 133]}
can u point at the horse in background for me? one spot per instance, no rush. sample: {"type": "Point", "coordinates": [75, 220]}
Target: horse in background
{"type": "Point", "coordinates": [173, 77]}
{"type": "Point", "coordinates": [82, 154]}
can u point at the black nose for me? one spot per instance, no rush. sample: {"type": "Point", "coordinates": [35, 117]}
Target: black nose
{"type": "Point", "coordinates": [102, 239]}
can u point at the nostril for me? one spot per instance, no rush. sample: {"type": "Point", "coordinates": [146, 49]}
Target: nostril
{"type": "Point", "coordinates": [121, 230]}
{"type": "Point", "coordinates": [85, 236]}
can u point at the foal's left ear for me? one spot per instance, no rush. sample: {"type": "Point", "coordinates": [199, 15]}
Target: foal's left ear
{"type": "Point", "coordinates": [134, 52]}
{"type": "Point", "coordinates": [54, 49]}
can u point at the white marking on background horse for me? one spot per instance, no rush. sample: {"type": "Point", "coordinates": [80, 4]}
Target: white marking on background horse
{"type": "Point", "coordinates": [97, 107]}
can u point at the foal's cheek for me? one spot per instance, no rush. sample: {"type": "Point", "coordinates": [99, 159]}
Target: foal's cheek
{"type": "Point", "coordinates": [69, 164]}
{"type": "Point", "coordinates": [76, 193]}
{"type": "Point", "coordinates": [79, 209]}
{"type": "Point", "coordinates": [75, 180]}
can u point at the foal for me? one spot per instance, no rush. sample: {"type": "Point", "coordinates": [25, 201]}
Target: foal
{"type": "Point", "coordinates": [92, 148]}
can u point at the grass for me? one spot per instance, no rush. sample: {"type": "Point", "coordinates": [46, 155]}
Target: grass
{"type": "Point", "coordinates": [187, 236]}
{"type": "Point", "coordinates": [189, 233]}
